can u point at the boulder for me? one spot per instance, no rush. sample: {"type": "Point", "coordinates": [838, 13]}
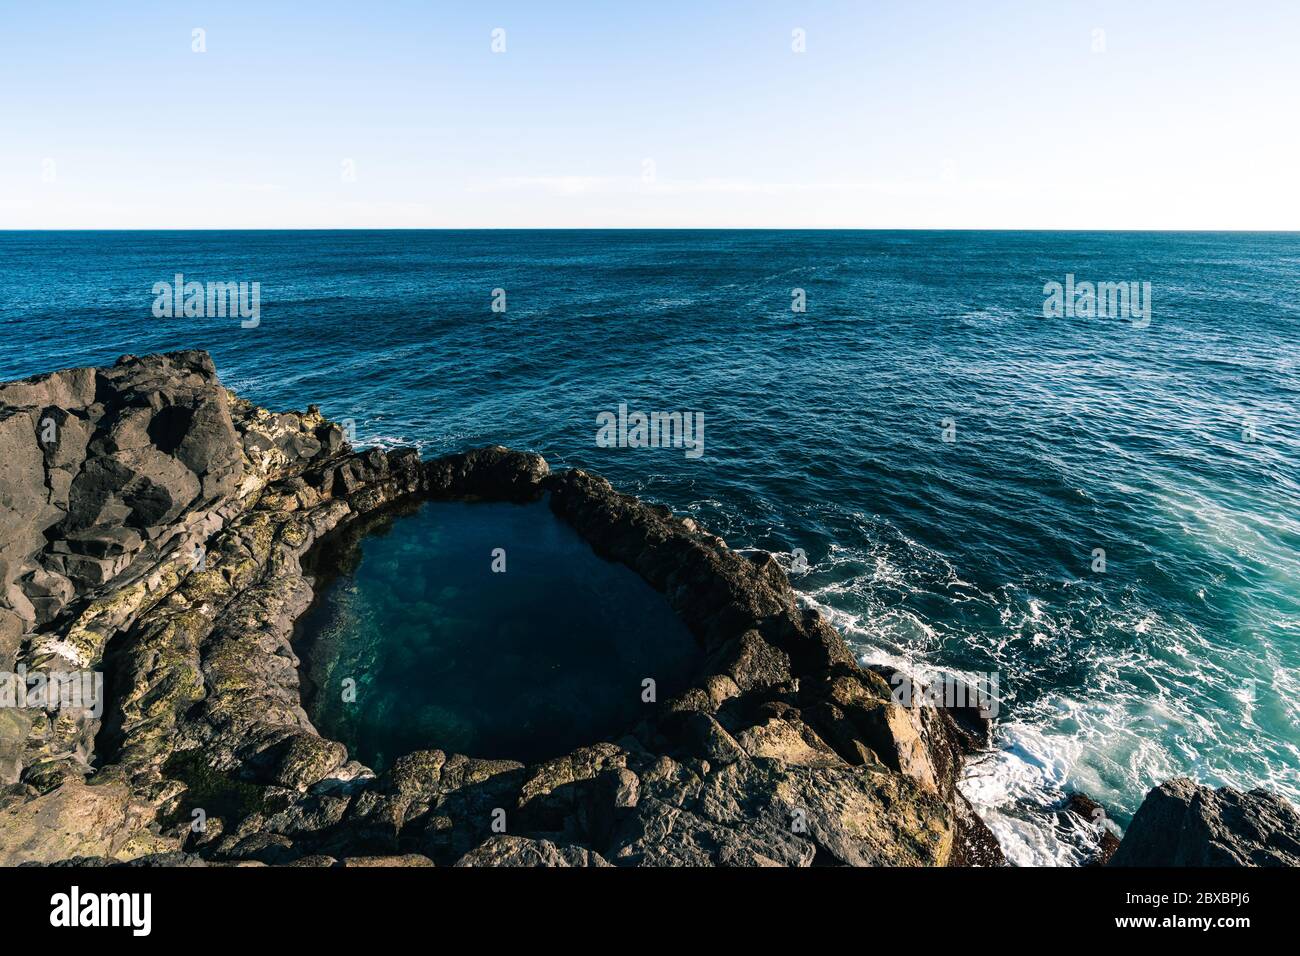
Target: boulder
{"type": "Point", "coordinates": [1181, 823]}
{"type": "Point", "coordinates": [492, 472]}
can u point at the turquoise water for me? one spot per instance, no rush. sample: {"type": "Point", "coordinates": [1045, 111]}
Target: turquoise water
{"type": "Point", "coordinates": [486, 629]}
{"type": "Point", "coordinates": [823, 433]}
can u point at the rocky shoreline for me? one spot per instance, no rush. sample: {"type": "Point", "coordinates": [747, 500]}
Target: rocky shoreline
{"type": "Point", "coordinates": [154, 528]}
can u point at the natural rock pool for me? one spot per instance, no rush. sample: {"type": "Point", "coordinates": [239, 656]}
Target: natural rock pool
{"type": "Point", "coordinates": [416, 642]}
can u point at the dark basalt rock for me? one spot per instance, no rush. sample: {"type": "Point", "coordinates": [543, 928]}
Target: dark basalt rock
{"type": "Point", "coordinates": [161, 539]}
{"type": "Point", "coordinates": [1181, 823]}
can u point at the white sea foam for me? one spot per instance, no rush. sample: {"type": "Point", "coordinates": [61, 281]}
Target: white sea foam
{"type": "Point", "coordinates": [1168, 700]}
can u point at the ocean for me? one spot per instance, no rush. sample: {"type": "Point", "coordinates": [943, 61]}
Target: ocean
{"type": "Point", "coordinates": [1101, 511]}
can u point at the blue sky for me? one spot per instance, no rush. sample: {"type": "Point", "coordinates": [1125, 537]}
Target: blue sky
{"type": "Point", "coordinates": [899, 114]}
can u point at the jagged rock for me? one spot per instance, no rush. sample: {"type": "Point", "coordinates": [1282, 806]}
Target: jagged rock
{"type": "Point", "coordinates": [94, 462]}
{"type": "Point", "coordinates": [304, 759]}
{"type": "Point", "coordinates": [401, 860]}
{"type": "Point", "coordinates": [168, 859]}
{"type": "Point", "coordinates": [493, 472]}
{"type": "Point", "coordinates": [752, 662]}
{"type": "Point", "coordinates": [765, 812]}
{"type": "Point", "coordinates": [788, 741]}
{"type": "Point", "coordinates": [1181, 823]}
{"type": "Point", "coordinates": [522, 851]}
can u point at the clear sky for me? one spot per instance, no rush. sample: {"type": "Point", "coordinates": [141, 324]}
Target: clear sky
{"type": "Point", "coordinates": [908, 113]}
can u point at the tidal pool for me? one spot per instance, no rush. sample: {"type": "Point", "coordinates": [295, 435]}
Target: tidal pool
{"type": "Point", "coordinates": [416, 642]}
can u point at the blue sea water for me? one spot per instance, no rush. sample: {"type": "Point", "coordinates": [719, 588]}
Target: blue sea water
{"type": "Point", "coordinates": [1172, 446]}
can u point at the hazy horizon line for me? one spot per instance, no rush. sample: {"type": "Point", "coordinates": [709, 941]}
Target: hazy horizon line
{"type": "Point", "coordinates": [1079, 229]}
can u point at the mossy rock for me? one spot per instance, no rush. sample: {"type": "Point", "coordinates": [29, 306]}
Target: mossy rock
{"type": "Point", "coordinates": [217, 794]}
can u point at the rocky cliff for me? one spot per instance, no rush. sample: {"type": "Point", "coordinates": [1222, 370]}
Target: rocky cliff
{"type": "Point", "coordinates": [153, 529]}
{"type": "Point", "coordinates": [1181, 823]}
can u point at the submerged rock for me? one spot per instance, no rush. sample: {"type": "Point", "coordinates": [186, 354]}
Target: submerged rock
{"type": "Point", "coordinates": [160, 538]}
{"type": "Point", "coordinates": [1081, 809]}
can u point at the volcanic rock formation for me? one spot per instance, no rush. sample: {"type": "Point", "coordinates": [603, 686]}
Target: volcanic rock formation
{"type": "Point", "coordinates": [153, 529]}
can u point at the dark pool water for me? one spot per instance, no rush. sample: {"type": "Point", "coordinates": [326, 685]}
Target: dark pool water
{"type": "Point", "coordinates": [442, 651]}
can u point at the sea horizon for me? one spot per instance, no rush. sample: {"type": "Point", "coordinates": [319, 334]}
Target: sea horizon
{"type": "Point", "coordinates": [867, 229]}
